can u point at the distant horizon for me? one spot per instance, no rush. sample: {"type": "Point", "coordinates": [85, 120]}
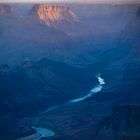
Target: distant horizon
{"type": "Point", "coordinates": [74, 1]}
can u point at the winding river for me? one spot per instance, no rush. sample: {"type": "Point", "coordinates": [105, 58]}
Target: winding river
{"type": "Point", "coordinates": [43, 132]}
{"type": "Point", "coordinates": [94, 90]}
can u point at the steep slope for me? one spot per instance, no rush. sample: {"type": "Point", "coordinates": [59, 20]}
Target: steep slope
{"type": "Point", "coordinates": [64, 18]}
{"type": "Point", "coordinates": [33, 87]}
{"type": "Point", "coordinates": [28, 33]}
{"type": "Point", "coordinates": [72, 42]}
{"type": "Point", "coordinates": [138, 12]}
{"type": "Point", "coordinates": [53, 15]}
{"type": "Point", "coordinates": [131, 32]}
{"type": "Point", "coordinates": [94, 117]}
{"type": "Point", "coordinates": [53, 81]}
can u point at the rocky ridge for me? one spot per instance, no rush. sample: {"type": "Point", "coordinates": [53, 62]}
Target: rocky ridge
{"type": "Point", "coordinates": [51, 15]}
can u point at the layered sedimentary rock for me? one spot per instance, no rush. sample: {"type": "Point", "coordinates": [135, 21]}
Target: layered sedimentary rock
{"type": "Point", "coordinates": [51, 15]}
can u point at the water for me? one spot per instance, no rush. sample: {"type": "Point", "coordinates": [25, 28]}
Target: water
{"type": "Point", "coordinates": [101, 80]}
{"type": "Point", "coordinates": [43, 132]}
{"type": "Point", "coordinates": [96, 89]}
{"type": "Point", "coordinates": [49, 109]}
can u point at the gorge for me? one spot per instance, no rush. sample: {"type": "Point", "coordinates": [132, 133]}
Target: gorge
{"type": "Point", "coordinates": [69, 71]}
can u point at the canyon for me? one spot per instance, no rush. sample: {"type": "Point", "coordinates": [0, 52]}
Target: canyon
{"type": "Point", "coordinates": [53, 54]}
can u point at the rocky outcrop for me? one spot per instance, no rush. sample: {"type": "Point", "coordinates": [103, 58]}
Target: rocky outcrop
{"type": "Point", "coordinates": [138, 12]}
{"type": "Point", "coordinates": [52, 15]}
{"type": "Point", "coordinates": [122, 124]}
{"type": "Point", "coordinates": [132, 134]}
{"type": "Point", "coordinates": [131, 32]}
{"type": "Point", "coordinates": [128, 115]}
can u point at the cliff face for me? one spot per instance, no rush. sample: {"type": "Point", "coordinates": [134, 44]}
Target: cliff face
{"type": "Point", "coordinates": [123, 124]}
{"type": "Point", "coordinates": [138, 12]}
{"type": "Point", "coordinates": [132, 134]}
{"type": "Point", "coordinates": [131, 32]}
{"type": "Point", "coordinates": [52, 15]}
{"type": "Point", "coordinates": [4, 9]}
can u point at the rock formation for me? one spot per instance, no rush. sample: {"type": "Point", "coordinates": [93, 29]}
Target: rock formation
{"type": "Point", "coordinates": [51, 15]}
{"type": "Point", "coordinates": [123, 124]}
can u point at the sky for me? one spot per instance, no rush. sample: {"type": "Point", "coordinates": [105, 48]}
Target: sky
{"type": "Point", "coordinates": [77, 1]}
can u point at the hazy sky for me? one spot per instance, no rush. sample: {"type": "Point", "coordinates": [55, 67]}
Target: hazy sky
{"type": "Point", "coordinates": [79, 1]}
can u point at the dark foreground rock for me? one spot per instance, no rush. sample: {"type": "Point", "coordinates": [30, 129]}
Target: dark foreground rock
{"type": "Point", "coordinates": [123, 124]}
